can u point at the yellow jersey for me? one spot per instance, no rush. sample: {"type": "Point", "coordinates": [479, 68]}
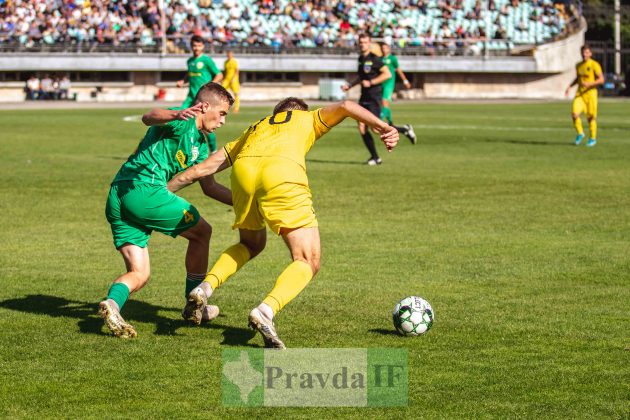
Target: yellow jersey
{"type": "Point", "coordinates": [230, 68]}
{"type": "Point", "coordinates": [587, 72]}
{"type": "Point", "coordinates": [287, 135]}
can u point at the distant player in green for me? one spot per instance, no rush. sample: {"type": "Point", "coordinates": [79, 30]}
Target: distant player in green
{"type": "Point", "coordinates": [139, 203]}
{"type": "Point", "coordinates": [391, 61]}
{"type": "Point", "coordinates": [201, 70]}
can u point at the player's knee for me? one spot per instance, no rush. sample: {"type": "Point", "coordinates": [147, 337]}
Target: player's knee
{"type": "Point", "coordinates": [315, 266]}
{"type": "Point", "coordinates": [254, 247]}
{"type": "Point", "coordinates": [311, 260]}
{"type": "Point", "coordinates": [575, 116]}
{"type": "Point", "coordinates": [205, 229]}
{"type": "Point", "coordinates": [201, 232]}
{"type": "Point", "coordinates": [139, 278]}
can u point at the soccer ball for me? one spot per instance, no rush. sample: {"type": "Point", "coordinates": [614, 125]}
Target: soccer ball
{"type": "Point", "coordinates": [413, 316]}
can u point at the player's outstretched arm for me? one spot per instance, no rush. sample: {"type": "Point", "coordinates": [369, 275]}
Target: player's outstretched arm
{"type": "Point", "coordinates": [213, 189]}
{"type": "Point", "coordinates": [351, 84]}
{"type": "Point", "coordinates": [218, 78]}
{"type": "Point", "coordinates": [215, 163]}
{"type": "Point", "coordinates": [159, 116]}
{"type": "Point", "coordinates": [336, 113]}
{"type": "Point", "coordinates": [403, 77]}
{"type": "Point", "coordinates": [384, 74]}
{"type": "Point", "coordinates": [573, 83]}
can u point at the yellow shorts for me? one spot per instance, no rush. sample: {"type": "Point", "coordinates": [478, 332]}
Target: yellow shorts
{"type": "Point", "coordinates": [585, 102]}
{"type": "Point", "coordinates": [261, 193]}
{"type": "Point", "coordinates": [234, 85]}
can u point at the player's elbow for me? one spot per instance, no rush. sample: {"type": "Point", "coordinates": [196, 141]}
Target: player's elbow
{"type": "Point", "coordinates": [345, 106]}
{"type": "Point", "coordinates": [146, 119]}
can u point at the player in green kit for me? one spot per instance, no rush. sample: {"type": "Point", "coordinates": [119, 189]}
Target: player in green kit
{"type": "Point", "coordinates": [201, 70]}
{"type": "Point", "coordinates": [139, 203]}
{"type": "Point", "coordinates": [391, 61]}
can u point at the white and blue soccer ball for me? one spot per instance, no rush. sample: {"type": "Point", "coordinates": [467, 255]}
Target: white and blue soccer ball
{"type": "Point", "coordinates": [413, 316]}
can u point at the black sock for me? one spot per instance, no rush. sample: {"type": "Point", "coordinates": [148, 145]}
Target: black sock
{"type": "Point", "coordinates": [369, 143]}
{"type": "Point", "coordinates": [400, 128]}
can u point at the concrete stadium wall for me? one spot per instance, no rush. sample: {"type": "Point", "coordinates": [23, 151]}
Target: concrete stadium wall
{"type": "Point", "coordinates": [544, 74]}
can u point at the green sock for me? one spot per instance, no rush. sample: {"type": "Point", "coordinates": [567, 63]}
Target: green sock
{"type": "Point", "coordinates": [212, 141]}
{"type": "Point", "coordinates": [386, 115]}
{"type": "Point", "coordinates": [192, 281]}
{"type": "Point", "coordinates": [119, 293]}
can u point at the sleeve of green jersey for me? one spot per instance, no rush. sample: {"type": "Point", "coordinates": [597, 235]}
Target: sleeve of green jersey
{"type": "Point", "coordinates": [203, 152]}
{"type": "Point", "coordinates": [175, 128]}
{"type": "Point", "coordinates": [394, 61]}
{"type": "Point", "coordinates": [212, 67]}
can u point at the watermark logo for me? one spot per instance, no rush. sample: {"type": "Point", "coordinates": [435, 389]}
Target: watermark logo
{"type": "Point", "coordinates": [314, 377]}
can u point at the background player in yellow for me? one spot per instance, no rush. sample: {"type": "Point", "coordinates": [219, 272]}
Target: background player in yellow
{"type": "Point", "coordinates": [230, 78]}
{"type": "Point", "coordinates": [269, 185]}
{"type": "Point", "coordinates": [589, 76]}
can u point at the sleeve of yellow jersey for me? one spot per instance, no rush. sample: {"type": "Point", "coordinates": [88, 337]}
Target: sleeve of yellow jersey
{"type": "Point", "coordinates": [319, 126]}
{"type": "Point", "coordinates": [597, 69]}
{"type": "Point", "coordinates": [233, 148]}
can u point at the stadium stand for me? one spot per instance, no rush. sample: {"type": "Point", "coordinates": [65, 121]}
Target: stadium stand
{"type": "Point", "coordinates": [415, 26]}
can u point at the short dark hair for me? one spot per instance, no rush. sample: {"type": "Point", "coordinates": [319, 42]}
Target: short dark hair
{"type": "Point", "coordinates": [212, 93]}
{"type": "Point", "coordinates": [197, 38]}
{"type": "Point", "coordinates": [289, 104]}
{"type": "Point", "coordinates": [364, 35]}
{"type": "Point", "coordinates": [585, 47]}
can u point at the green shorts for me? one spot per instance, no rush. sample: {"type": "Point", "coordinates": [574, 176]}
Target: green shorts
{"type": "Point", "coordinates": [136, 210]}
{"type": "Point", "coordinates": [388, 90]}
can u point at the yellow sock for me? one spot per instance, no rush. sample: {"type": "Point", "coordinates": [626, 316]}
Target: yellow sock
{"type": "Point", "coordinates": [228, 263]}
{"type": "Point", "coordinates": [577, 123]}
{"type": "Point", "coordinates": [592, 128]}
{"type": "Point", "coordinates": [236, 103]}
{"type": "Point", "coordinates": [291, 282]}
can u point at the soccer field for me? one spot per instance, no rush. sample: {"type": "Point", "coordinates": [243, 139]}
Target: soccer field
{"type": "Point", "coordinates": [519, 240]}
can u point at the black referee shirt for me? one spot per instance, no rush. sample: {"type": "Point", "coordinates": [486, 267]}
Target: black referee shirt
{"type": "Point", "coordinates": [370, 67]}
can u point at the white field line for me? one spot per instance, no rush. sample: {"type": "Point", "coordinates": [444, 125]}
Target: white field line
{"type": "Point", "coordinates": [132, 118]}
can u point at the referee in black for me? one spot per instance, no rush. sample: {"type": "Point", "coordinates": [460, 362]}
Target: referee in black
{"type": "Point", "coordinates": [372, 73]}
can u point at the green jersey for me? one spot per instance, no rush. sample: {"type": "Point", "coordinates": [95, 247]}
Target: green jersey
{"type": "Point", "coordinates": [164, 151]}
{"type": "Point", "coordinates": [201, 70]}
{"type": "Point", "coordinates": [391, 61]}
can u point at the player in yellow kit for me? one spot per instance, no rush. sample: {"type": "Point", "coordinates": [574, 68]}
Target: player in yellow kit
{"type": "Point", "coordinates": [230, 78]}
{"type": "Point", "coordinates": [270, 186]}
{"type": "Point", "coordinates": [589, 76]}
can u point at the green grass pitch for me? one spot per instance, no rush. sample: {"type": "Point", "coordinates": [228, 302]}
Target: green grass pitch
{"type": "Point", "coordinates": [519, 240]}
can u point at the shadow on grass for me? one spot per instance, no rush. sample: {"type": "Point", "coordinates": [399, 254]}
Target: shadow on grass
{"type": "Point", "coordinates": [233, 336]}
{"type": "Point", "coordinates": [135, 310]}
{"type": "Point", "coordinates": [383, 331]}
{"type": "Point", "coordinates": [337, 162]}
{"type": "Point", "coordinates": [532, 143]}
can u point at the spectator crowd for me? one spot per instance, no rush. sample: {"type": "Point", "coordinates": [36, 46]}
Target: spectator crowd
{"type": "Point", "coordinates": [279, 23]}
{"type": "Point", "coordinates": [48, 88]}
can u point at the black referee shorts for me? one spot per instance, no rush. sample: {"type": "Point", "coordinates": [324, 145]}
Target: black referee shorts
{"type": "Point", "coordinates": [374, 106]}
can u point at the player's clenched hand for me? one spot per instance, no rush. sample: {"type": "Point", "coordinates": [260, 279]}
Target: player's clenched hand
{"type": "Point", "coordinates": [188, 113]}
{"type": "Point", "coordinates": [180, 83]}
{"type": "Point", "coordinates": [389, 136]}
